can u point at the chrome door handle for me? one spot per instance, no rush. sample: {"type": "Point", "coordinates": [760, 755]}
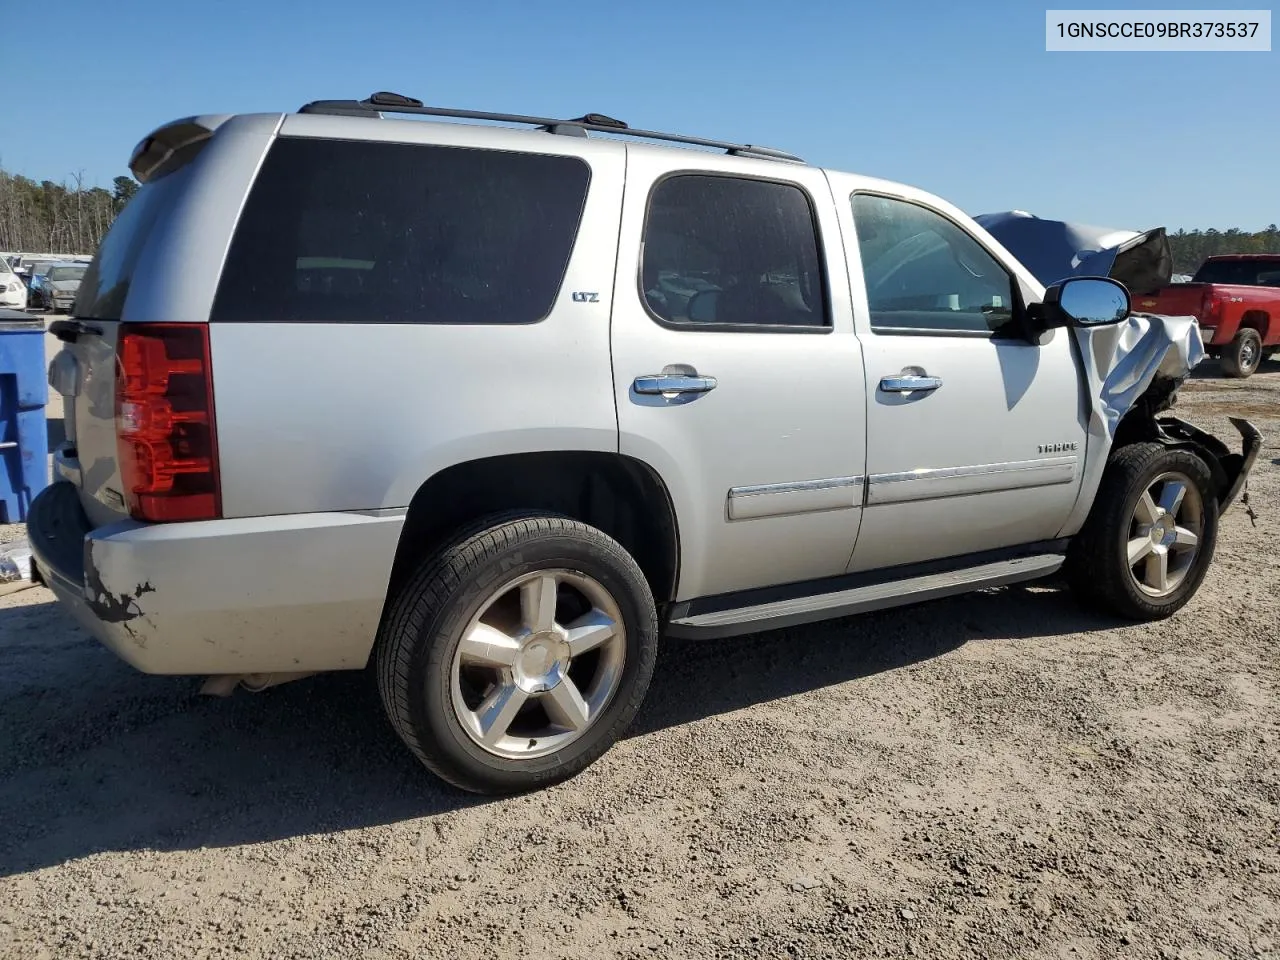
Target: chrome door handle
{"type": "Point", "coordinates": [908, 384]}
{"type": "Point", "coordinates": [668, 383]}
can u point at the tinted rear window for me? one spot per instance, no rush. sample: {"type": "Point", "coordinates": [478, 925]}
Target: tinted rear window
{"type": "Point", "coordinates": [105, 284]}
{"type": "Point", "coordinates": [1249, 273]}
{"type": "Point", "coordinates": [355, 232]}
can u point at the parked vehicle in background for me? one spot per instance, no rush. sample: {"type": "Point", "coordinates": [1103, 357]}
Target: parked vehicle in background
{"type": "Point", "coordinates": [493, 408]}
{"type": "Point", "coordinates": [36, 269]}
{"type": "Point", "coordinates": [59, 283]}
{"type": "Point", "coordinates": [1236, 299]}
{"type": "Point", "coordinates": [13, 292]}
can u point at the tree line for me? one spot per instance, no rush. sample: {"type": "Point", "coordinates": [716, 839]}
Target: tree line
{"type": "Point", "coordinates": [65, 217]}
{"type": "Point", "coordinates": [69, 217]}
{"type": "Point", "coordinates": [1190, 247]}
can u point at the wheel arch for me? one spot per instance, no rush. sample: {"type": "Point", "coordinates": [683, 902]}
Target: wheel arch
{"type": "Point", "coordinates": [1228, 469]}
{"type": "Point", "coordinates": [622, 496]}
{"type": "Point", "coordinates": [1259, 320]}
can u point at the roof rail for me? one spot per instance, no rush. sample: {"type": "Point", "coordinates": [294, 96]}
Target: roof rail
{"type": "Point", "coordinates": [384, 102]}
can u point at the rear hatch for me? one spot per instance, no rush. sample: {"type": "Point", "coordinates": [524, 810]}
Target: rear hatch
{"type": "Point", "coordinates": [85, 370]}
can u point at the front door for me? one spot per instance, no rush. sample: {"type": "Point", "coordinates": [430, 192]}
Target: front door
{"type": "Point", "coordinates": [737, 374]}
{"type": "Point", "coordinates": [975, 436]}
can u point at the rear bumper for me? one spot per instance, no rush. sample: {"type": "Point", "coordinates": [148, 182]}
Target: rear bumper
{"type": "Point", "coordinates": [252, 595]}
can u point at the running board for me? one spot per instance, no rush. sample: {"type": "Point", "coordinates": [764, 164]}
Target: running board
{"type": "Point", "coordinates": [864, 599]}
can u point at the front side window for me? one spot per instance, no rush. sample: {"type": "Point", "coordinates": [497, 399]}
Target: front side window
{"type": "Point", "coordinates": [923, 272]}
{"type": "Point", "coordinates": [729, 251]}
{"type": "Point", "coordinates": [367, 232]}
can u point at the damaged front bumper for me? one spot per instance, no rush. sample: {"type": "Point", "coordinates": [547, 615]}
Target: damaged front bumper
{"type": "Point", "coordinates": [1230, 470]}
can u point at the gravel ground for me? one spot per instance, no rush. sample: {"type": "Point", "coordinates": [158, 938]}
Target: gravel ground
{"type": "Point", "coordinates": [996, 776]}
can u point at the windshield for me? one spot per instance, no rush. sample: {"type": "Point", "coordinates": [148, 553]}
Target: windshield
{"type": "Point", "coordinates": [1248, 273]}
{"type": "Point", "coordinates": [66, 273]}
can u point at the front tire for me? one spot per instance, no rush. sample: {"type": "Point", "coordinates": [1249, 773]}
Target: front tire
{"type": "Point", "coordinates": [518, 654]}
{"type": "Point", "coordinates": [1241, 357]}
{"type": "Point", "coordinates": [1149, 539]}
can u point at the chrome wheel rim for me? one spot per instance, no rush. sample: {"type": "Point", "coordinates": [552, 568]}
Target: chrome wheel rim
{"type": "Point", "coordinates": [1248, 353]}
{"type": "Point", "coordinates": [538, 665]}
{"type": "Point", "coordinates": [1164, 534]}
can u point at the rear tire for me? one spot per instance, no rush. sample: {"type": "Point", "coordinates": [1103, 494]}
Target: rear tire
{"type": "Point", "coordinates": [1145, 547]}
{"type": "Point", "coordinates": [518, 653]}
{"type": "Point", "coordinates": [1241, 357]}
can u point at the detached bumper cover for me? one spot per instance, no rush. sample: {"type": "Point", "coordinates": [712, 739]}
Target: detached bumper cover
{"type": "Point", "coordinates": [1232, 471]}
{"type": "Point", "coordinates": [248, 595]}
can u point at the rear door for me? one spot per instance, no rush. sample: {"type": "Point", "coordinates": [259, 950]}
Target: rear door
{"type": "Point", "coordinates": [736, 373]}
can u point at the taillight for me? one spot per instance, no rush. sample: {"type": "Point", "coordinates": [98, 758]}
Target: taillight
{"type": "Point", "coordinates": [168, 442]}
{"type": "Point", "coordinates": [1210, 309]}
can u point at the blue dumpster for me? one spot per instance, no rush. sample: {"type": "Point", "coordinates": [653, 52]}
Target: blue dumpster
{"type": "Point", "coordinates": [24, 391]}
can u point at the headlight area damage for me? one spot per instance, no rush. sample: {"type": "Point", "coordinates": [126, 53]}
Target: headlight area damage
{"type": "Point", "coordinates": [1133, 369]}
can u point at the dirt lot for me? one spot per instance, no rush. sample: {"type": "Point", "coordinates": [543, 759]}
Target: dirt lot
{"type": "Point", "coordinates": [998, 776]}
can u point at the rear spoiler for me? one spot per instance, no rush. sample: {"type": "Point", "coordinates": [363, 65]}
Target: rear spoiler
{"type": "Point", "coordinates": [153, 157]}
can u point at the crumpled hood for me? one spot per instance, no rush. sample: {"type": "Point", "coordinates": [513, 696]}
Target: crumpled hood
{"type": "Point", "coordinates": [1055, 249]}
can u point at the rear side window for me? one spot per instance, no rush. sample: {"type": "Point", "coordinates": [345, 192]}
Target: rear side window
{"type": "Point", "coordinates": [338, 231]}
{"type": "Point", "coordinates": [1249, 273]}
{"type": "Point", "coordinates": [729, 251]}
{"type": "Point", "coordinates": [105, 285]}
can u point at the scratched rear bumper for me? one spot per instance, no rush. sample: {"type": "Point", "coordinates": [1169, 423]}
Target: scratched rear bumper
{"type": "Point", "coordinates": [250, 595]}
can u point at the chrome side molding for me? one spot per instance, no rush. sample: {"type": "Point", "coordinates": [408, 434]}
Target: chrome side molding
{"type": "Point", "coordinates": [797, 496]}
{"type": "Point", "coordinates": [935, 483]}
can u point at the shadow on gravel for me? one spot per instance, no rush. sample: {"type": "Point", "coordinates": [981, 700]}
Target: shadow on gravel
{"type": "Point", "coordinates": [697, 679]}
{"type": "Point", "coordinates": [96, 757]}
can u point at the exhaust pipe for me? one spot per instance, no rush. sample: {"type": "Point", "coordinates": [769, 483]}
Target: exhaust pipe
{"type": "Point", "coordinates": [225, 684]}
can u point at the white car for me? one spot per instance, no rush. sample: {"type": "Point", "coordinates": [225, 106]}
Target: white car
{"type": "Point", "coordinates": [13, 292]}
{"type": "Point", "coordinates": [493, 410]}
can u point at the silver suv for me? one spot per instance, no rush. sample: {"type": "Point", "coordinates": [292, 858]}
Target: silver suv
{"type": "Point", "coordinates": [491, 407]}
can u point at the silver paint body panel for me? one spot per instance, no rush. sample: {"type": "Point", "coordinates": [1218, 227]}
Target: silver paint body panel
{"type": "Point", "coordinates": [326, 431]}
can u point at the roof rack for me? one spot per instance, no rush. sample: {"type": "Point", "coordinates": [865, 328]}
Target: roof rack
{"type": "Point", "coordinates": [384, 102]}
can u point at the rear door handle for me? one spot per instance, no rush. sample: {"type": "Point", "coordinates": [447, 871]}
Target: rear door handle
{"type": "Point", "coordinates": [673, 384]}
{"type": "Point", "coordinates": [904, 383]}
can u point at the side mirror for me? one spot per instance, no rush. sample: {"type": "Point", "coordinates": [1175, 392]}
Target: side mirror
{"type": "Point", "coordinates": [1082, 302]}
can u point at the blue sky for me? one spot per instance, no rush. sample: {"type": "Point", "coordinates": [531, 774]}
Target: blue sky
{"type": "Point", "coordinates": [960, 99]}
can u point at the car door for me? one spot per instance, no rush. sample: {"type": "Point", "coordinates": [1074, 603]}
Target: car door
{"type": "Point", "coordinates": [737, 375]}
{"type": "Point", "coordinates": [975, 435]}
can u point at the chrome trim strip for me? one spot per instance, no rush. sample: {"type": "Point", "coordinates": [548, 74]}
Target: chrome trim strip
{"type": "Point", "coordinates": [795, 496]}
{"type": "Point", "coordinates": [939, 482]}
{"type": "Point", "coordinates": [763, 489]}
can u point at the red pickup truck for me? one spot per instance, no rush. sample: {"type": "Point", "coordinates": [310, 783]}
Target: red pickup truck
{"type": "Point", "coordinates": [1236, 299]}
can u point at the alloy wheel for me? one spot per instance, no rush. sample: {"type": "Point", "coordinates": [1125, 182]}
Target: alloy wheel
{"type": "Point", "coordinates": [1164, 534]}
{"type": "Point", "coordinates": [538, 665]}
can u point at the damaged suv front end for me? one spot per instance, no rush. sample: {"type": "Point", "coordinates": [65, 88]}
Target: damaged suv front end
{"type": "Point", "coordinates": [1133, 369]}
